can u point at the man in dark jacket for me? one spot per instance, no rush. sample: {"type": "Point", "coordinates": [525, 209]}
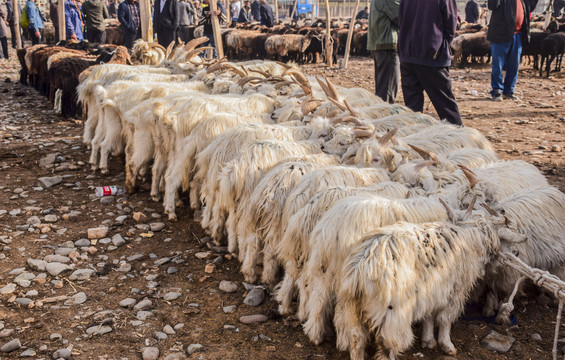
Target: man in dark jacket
{"type": "Point", "coordinates": [113, 9]}
{"type": "Point", "coordinates": [558, 6]}
{"type": "Point", "coordinates": [267, 17]}
{"type": "Point", "coordinates": [256, 10]}
{"type": "Point", "coordinates": [94, 14]}
{"type": "Point", "coordinates": [165, 21]}
{"type": "Point", "coordinates": [245, 13]}
{"type": "Point", "coordinates": [509, 28]}
{"type": "Point", "coordinates": [11, 23]}
{"type": "Point", "coordinates": [471, 12]}
{"type": "Point", "coordinates": [363, 14]}
{"type": "Point", "coordinates": [381, 42]}
{"type": "Point", "coordinates": [130, 19]}
{"type": "Point", "coordinates": [426, 29]}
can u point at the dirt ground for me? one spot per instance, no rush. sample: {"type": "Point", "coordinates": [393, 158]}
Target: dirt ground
{"type": "Point", "coordinates": [531, 129]}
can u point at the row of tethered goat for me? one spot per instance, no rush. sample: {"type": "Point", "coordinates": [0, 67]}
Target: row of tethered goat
{"type": "Point", "coordinates": [378, 216]}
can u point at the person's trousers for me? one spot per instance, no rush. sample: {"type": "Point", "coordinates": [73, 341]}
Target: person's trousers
{"type": "Point", "coordinates": [56, 34]}
{"type": "Point", "coordinates": [387, 74]}
{"type": "Point", "coordinates": [436, 83]}
{"type": "Point", "coordinates": [4, 42]}
{"type": "Point", "coordinates": [96, 36]}
{"type": "Point", "coordinates": [184, 33]}
{"type": "Point", "coordinates": [211, 42]}
{"type": "Point", "coordinates": [505, 55]}
{"type": "Point", "coordinates": [165, 37]}
{"type": "Point", "coordinates": [34, 39]}
{"type": "Point", "coordinates": [13, 32]}
{"type": "Point", "coordinates": [130, 37]}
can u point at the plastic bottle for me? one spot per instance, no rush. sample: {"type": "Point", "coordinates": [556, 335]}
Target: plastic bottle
{"type": "Point", "coordinates": [110, 190]}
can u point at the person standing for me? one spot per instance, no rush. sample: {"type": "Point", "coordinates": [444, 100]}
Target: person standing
{"type": "Point", "coordinates": [74, 22]}
{"type": "Point", "coordinates": [11, 23]}
{"type": "Point", "coordinates": [54, 15]}
{"type": "Point", "coordinates": [558, 6]}
{"type": "Point", "coordinates": [113, 9]}
{"type": "Point", "coordinates": [256, 10]}
{"type": "Point", "coordinates": [381, 42]}
{"type": "Point", "coordinates": [197, 12]}
{"type": "Point", "coordinates": [267, 18]}
{"type": "Point", "coordinates": [425, 31]}
{"type": "Point", "coordinates": [509, 28]}
{"type": "Point", "coordinates": [245, 13]}
{"type": "Point", "coordinates": [130, 19]}
{"type": "Point", "coordinates": [94, 13]}
{"type": "Point", "coordinates": [35, 21]}
{"type": "Point", "coordinates": [4, 32]}
{"type": "Point", "coordinates": [472, 12]}
{"type": "Point", "coordinates": [165, 21]}
{"type": "Point", "coordinates": [186, 9]}
{"type": "Point", "coordinates": [235, 7]}
{"type": "Point", "coordinates": [206, 19]}
{"type": "Point", "coordinates": [363, 14]}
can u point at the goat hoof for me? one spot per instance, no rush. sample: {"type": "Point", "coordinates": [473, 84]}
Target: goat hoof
{"type": "Point", "coordinates": [155, 198]}
{"type": "Point", "coordinates": [251, 279]}
{"type": "Point", "coordinates": [429, 344]}
{"type": "Point", "coordinates": [104, 171]}
{"type": "Point", "coordinates": [173, 217]}
{"type": "Point", "coordinates": [448, 349]}
{"type": "Point", "coordinates": [284, 310]}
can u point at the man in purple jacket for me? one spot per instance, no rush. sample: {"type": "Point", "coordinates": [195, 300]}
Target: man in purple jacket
{"type": "Point", "coordinates": [425, 31]}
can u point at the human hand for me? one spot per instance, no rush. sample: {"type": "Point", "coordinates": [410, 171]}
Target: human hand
{"type": "Point", "coordinates": [217, 12]}
{"type": "Point", "coordinates": [37, 34]}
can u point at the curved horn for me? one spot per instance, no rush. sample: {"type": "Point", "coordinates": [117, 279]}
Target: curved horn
{"type": "Point", "coordinates": [352, 119]}
{"type": "Point", "coordinates": [505, 234]}
{"type": "Point", "coordinates": [283, 83]}
{"type": "Point", "coordinates": [338, 104]}
{"type": "Point", "coordinates": [361, 133]}
{"type": "Point", "coordinates": [490, 210]}
{"type": "Point", "coordinates": [386, 137]}
{"type": "Point", "coordinates": [424, 153]}
{"type": "Point", "coordinates": [471, 207]}
{"type": "Point", "coordinates": [158, 46]}
{"type": "Point", "coordinates": [247, 79]}
{"type": "Point", "coordinates": [324, 88]}
{"type": "Point", "coordinates": [353, 112]}
{"type": "Point", "coordinates": [471, 177]}
{"type": "Point", "coordinates": [265, 74]}
{"type": "Point", "coordinates": [192, 44]}
{"type": "Point", "coordinates": [424, 164]}
{"type": "Point", "coordinates": [310, 106]}
{"type": "Point", "coordinates": [332, 89]}
{"type": "Point", "coordinates": [298, 76]}
{"type": "Point", "coordinates": [244, 70]}
{"type": "Point", "coordinates": [450, 215]}
{"type": "Point", "coordinates": [195, 52]}
{"type": "Point", "coordinates": [169, 51]}
{"type": "Point", "coordinates": [286, 66]}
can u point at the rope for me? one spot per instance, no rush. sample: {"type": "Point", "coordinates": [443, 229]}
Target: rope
{"type": "Point", "coordinates": [542, 279]}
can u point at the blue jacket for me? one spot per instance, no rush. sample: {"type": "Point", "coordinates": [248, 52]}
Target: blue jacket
{"type": "Point", "coordinates": [125, 18]}
{"type": "Point", "coordinates": [34, 17]}
{"type": "Point", "coordinates": [425, 31]}
{"type": "Point", "coordinates": [73, 21]}
{"type": "Point", "coordinates": [256, 10]}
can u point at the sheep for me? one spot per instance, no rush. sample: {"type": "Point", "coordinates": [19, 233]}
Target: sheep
{"type": "Point", "coordinates": [280, 46]}
{"type": "Point", "coordinates": [538, 213]}
{"type": "Point", "coordinates": [330, 243]}
{"type": "Point", "coordinates": [552, 47]}
{"type": "Point", "coordinates": [259, 226]}
{"type": "Point", "coordinates": [147, 53]}
{"type": "Point", "coordinates": [293, 248]}
{"type": "Point", "coordinates": [439, 263]}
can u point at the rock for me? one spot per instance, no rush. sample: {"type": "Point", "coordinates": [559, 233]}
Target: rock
{"type": "Point", "coordinates": [57, 258]}
{"type": "Point", "coordinates": [135, 257]}
{"type": "Point", "coordinates": [150, 353]}
{"type": "Point", "coordinates": [48, 160]}
{"type": "Point", "coordinates": [143, 315]}
{"type": "Point", "coordinates": [28, 353]}
{"type": "Point", "coordinates": [250, 319]}
{"type": "Point", "coordinates": [55, 337]}
{"type": "Point", "coordinates": [157, 226]}
{"type": "Point", "coordinates": [497, 342]}
{"type": "Point", "coordinates": [137, 216]}
{"type": "Point", "coordinates": [168, 329]}
{"type": "Point", "coordinates": [127, 302]}
{"type": "Point", "coordinates": [178, 326]}
{"type": "Point", "coordinates": [47, 182]}
{"type": "Point", "coordinates": [202, 255]}
{"type": "Point", "coordinates": [50, 218]}
{"type": "Point", "coordinates": [62, 353]}
{"type": "Point", "coordinates": [255, 297]}
{"type": "Point", "coordinates": [38, 265]}
{"type": "Point", "coordinates": [159, 335]}
{"type": "Point", "coordinates": [228, 286]}
{"type": "Point", "coordinates": [175, 356]}
{"type": "Point", "coordinates": [143, 304]}
{"type": "Point", "coordinates": [6, 332]}
{"type": "Point", "coordinates": [124, 267]}
{"type": "Point", "coordinates": [118, 240]}
{"type": "Point", "coordinates": [97, 233]}
{"type": "Point", "coordinates": [33, 220]}
{"type": "Point", "coordinates": [15, 212]}
{"type": "Point", "coordinates": [229, 309]}
{"type": "Point", "coordinates": [230, 327]}
{"type": "Point", "coordinates": [76, 299]}
{"type": "Point", "coordinates": [98, 330]}
{"type": "Point", "coordinates": [556, 148]}
{"type": "Point", "coordinates": [162, 261]}
{"type": "Point", "coordinates": [82, 242]}
{"type": "Point", "coordinates": [170, 296]}
{"type": "Point", "coordinates": [536, 337]}
{"type": "Point", "coordinates": [11, 346]}
{"type": "Point", "coordinates": [120, 219]}
{"type": "Point", "coordinates": [32, 293]}
{"type": "Point", "coordinates": [81, 274]}
{"type": "Point", "coordinates": [107, 200]}
{"type": "Point", "coordinates": [192, 348]}
{"type": "Point", "coordinates": [209, 268]}
{"type": "Point", "coordinates": [55, 268]}
{"type": "Point", "coordinates": [172, 270]}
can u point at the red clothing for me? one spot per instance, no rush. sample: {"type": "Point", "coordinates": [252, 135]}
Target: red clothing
{"type": "Point", "coordinates": [519, 16]}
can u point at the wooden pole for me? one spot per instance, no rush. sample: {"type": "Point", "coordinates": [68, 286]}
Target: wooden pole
{"type": "Point", "coordinates": [329, 47]}
{"type": "Point", "coordinates": [146, 23]}
{"type": "Point", "coordinates": [61, 19]}
{"type": "Point", "coordinates": [276, 11]}
{"type": "Point", "coordinates": [216, 30]}
{"type": "Point", "coordinates": [317, 9]}
{"type": "Point", "coordinates": [349, 37]}
{"type": "Point", "coordinates": [17, 24]}
{"type": "Point", "coordinates": [228, 12]}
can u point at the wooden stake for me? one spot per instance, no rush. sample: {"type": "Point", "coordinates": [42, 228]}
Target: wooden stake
{"type": "Point", "coordinates": [329, 47]}
{"type": "Point", "coordinates": [146, 23]}
{"type": "Point", "coordinates": [228, 12]}
{"type": "Point", "coordinates": [276, 11]}
{"type": "Point", "coordinates": [61, 18]}
{"type": "Point", "coordinates": [17, 24]}
{"type": "Point", "coordinates": [349, 36]}
{"type": "Point", "coordinates": [216, 30]}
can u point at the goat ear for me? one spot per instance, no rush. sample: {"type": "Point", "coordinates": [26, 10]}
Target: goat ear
{"type": "Point", "coordinates": [471, 176]}
{"type": "Point", "coordinates": [388, 136]}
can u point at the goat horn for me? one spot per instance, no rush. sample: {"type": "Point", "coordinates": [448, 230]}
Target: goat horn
{"type": "Point", "coordinates": [508, 235]}
{"type": "Point", "coordinates": [266, 75]}
{"type": "Point", "coordinates": [424, 153]}
{"type": "Point", "coordinates": [247, 79]}
{"type": "Point", "coordinates": [353, 112]}
{"type": "Point", "coordinates": [298, 76]}
{"type": "Point", "coordinates": [471, 207]}
{"type": "Point", "coordinates": [310, 106]}
{"type": "Point", "coordinates": [332, 89]}
{"type": "Point", "coordinates": [333, 114]}
{"type": "Point", "coordinates": [361, 133]}
{"type": "Point", "coordinates": [156, 45]}
{"type": "Point", "coordinates": [338, 104]}
{"type": "Point", "coordinates": [214, 67]}
{"type": "Point", "coordinates": [450, 215]}
{"type": "Point", "coordinates": [286, 66]}
{"type": "Point", "coordinates": [375, 134]}
{"type": "Point", "coordinates": [169, 51]}
{"type": "Point", "coordinates": [388, 136]}
{"type": "Point", "coordinates": [193, 53]}
{"type": "Point", "coordinates": [283, 83]}
{"type": "Point", "coordinates": [192, 44]}
{"type": "Point", "coordinates": [352, 119]}
{"type": "Point", "coordinates": [244, 70]}
{"type": "Point", "coordinates": [229, 66]}
{"type": "Point", "coordinates": [471, 177]}
{"type": "Point", "coordinates": [324, 88]}
{"type": "Point", "coordinates": [490, 210]}
{"type": "Point", "coordinates": [424, 164]}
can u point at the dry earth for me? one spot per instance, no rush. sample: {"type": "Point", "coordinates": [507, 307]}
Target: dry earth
{"type": "Point", "coordinates": [42, 311]}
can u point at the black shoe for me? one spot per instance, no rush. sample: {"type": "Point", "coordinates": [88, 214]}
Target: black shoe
{"type": "Point", "coordinates": [509, 96]}
{"type": "Point", "coordinates": [496, 96]}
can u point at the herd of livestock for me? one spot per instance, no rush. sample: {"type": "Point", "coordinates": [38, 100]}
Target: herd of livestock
{"type": "Point", "coordinates": [364, 217]}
